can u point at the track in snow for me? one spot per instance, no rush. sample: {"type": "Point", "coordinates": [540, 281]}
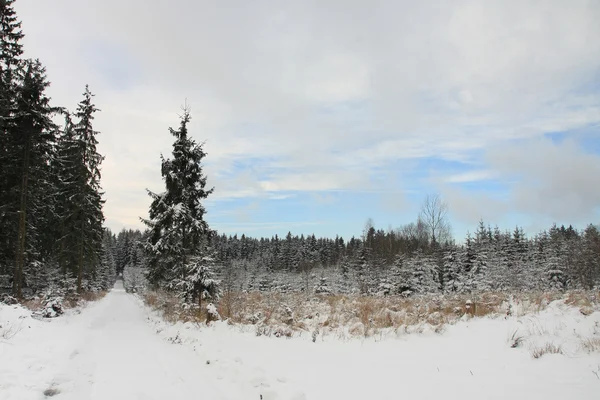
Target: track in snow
{"type": "Point", "coordinates": [120, 357]}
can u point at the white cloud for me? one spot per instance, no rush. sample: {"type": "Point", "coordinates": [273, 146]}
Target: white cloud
{"type": "Point", "coordinates": [325, 94]}
{"type": "Point", "coordinates": [559, 180]}
{"type": "Point", "coordinates": [470, 176]}
{"type": "Point", "coordinates": [545, 183]}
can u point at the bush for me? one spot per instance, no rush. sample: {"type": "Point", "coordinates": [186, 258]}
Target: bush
{"type": "Point", "coordinates": [548, 348]}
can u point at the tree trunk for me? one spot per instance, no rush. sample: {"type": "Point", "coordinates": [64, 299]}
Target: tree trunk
{"type": "Point", "coordinates": [80, 266]}
{"type": "Point", "coordinates": [20, 256]}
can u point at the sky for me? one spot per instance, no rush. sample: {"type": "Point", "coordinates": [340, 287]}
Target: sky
{"type": "Point", "coordinates": [317, 115]}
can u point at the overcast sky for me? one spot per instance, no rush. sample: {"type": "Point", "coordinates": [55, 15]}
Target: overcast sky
{"type": "Point", "coordinates": [320, 114]}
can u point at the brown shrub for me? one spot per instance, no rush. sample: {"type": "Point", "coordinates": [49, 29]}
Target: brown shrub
{"type": "Point", "coordinates": [363, 315]}
{"type": "Point", "coordinates": [151, 299]}
{"type": "Point", "coordinates": [34, 304]}
{"type": "Point", "coordinates": [93, 296]}
{"type": "Point", "coordinates": [365, 310]}
{"type": "Point", "coordinates": [579, 299]}
{"type": "Point", "coordinates": [591, 345]}
{"type": "Point", "coordinates": [548, 348]}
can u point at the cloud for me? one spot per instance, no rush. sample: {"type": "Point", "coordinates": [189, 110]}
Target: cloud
{"type": "Point", "coordinates": [533, 183]}
{"type": "Point", "coordinates": [304, 96]}
{"type": "Point", "coordinates": [470, 176]}
{"type": "Point", "coordinates": [552, 179]}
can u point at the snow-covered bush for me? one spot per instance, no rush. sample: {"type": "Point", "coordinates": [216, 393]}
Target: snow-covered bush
{"type": "Point", "coordinates": [211, 313]}
{"type": "Point", "coordinates": [198, 283]}
{"type": "Point", "coordinates": [7, 299]}
{"type": "Point", "coordinates": [323, 287]}
{"type": "Point", "coordinates": [53, 308]}
{"type": "Point", "coordinates": [134, 279]}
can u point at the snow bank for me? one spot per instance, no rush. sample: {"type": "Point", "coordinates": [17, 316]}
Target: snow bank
{"type": "Point", "coordinates": [34, 350]}
{"type": "Point", "coordinates": [473, 359]}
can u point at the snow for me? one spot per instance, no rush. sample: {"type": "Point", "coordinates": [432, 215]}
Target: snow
{"type": "Point", "coordinates": [117, 348]}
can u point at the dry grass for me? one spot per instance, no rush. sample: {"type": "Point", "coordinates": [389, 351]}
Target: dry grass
{"type": "Point", "coordinates": [591, 345]}
{"type": "Point", "coordinates": [71, 301]}
{"type": "Point", "coordinates": [581, 298]}
{"type": "Point", "coordinates": [364, 315]}
{"type": "Point", "coordinates": [548, 348]}
{"type": "Point", "coordinates": [358, 315]}
{"type": "Point", "coordinates": [33, 304]}
{"type": "Point", "coordinates": [172, 309]}
{"type": "Point", "coordinates": [92, 296]}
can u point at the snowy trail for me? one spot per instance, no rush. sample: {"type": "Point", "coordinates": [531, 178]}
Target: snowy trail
{"type": "Point", "coordinates": [119, 357]}
{"type": "Point", "coordinates": [109, 351]}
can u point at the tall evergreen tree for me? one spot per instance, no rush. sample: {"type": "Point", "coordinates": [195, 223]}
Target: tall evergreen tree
{"type": "Point", "coordinates": [178, 239]}
{"type": "Point", "coordinates": [106, 272]}
{"type": "Point", "coordinates": [34, 141]}
{"type": "Point", "coordinates": [11, 50]}
{"type": "Point", "coordinates": [81, 194]}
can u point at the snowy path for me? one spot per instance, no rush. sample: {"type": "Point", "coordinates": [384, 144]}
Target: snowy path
{"type": "Point", "coordinates": [117, 349]}
{"type": "Point", "coordinates": [109, 351]}
{"type": "Point", "coordinates": [119, 357]}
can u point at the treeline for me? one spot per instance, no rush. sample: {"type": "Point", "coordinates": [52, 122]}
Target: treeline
{"type": "Point", "coordinates": [51, 219]}
{"type": "Point", "coordinates": [403, 261]}
{"type": "Point", "coordinates": [395, 263]}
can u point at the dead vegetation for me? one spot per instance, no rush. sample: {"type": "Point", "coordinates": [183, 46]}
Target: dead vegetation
{"type": "Point", "coordinates": [50, 392]}
{"type": "Point", "coordinates": [548, 348]}
{"type": "Point", "coordinates": [283, 315]}
{"type": "Point", "coordinates": [70, 301]}
{"type": "Point", "coordinates": [591, 345]}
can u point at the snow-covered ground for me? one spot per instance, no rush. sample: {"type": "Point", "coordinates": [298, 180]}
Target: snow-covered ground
{"type": "Point", "coordinates": [118, 349]}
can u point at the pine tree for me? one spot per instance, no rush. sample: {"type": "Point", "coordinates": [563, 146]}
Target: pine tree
{"type": "Point", "coordinates": [322, 287]}
{"type": "Point", "coordinates": [67, 168]}
{"type": "Point", "coordinates": [424, 274]}
{"type": "Point", "coordinates": [467, 260]}
{"type": "Point", "coordinates": [589, 264]}
{"type": "Point", "coordinates": [91, 218]}
{"type": "Point", "coordinates": [178, 237]}
{"type": "Point", "coordinates": [11, 161]}
{"type": "Point", "coordinates": [362, 267]}
{"type": "Point", "coordinates": [452, 277]}
{"type": "Point", "coordinates": [80, 194]}
{"type": "Point", "coordinates": [197, 282]}
{"type": "Point", "coordinates": [107, 270]}
{"type": "Point", "coordinates": [555, 255]}
{"type": "Point", "coordinates": [123, 250]}
{"type": "Point", "coordinates": [478, 276]}
{"type": "Point", "coordinates": [37, 134]}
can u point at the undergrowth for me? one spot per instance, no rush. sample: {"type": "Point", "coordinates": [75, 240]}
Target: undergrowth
{"type": "Point", "coordinates": [355, 315]}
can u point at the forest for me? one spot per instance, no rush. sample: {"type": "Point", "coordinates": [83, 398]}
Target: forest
{"type": "Point", "coordinates": [51, 219]}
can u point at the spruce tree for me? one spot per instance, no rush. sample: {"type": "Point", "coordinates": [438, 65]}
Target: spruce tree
{"type": "Point", "coordinates": [80, 195]}
{"type": "Point", "coordinates": [589, 258]}
{"type": "Point", "coordinates": [452, 279]}
{"type": "Point", "coordinates": [178, 241]}
{"type": "Point", "coordinates": [106, 272]}
{"type": "Point", "coordinates": [11, 50]}
{"type": "Point", "coordinates": [35, 143]}
{"type": "Point", "coordinates": [424, 277]}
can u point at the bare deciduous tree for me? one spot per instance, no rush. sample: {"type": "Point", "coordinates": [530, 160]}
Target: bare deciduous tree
{"type": "Point", "coordinates": [434, 215]}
